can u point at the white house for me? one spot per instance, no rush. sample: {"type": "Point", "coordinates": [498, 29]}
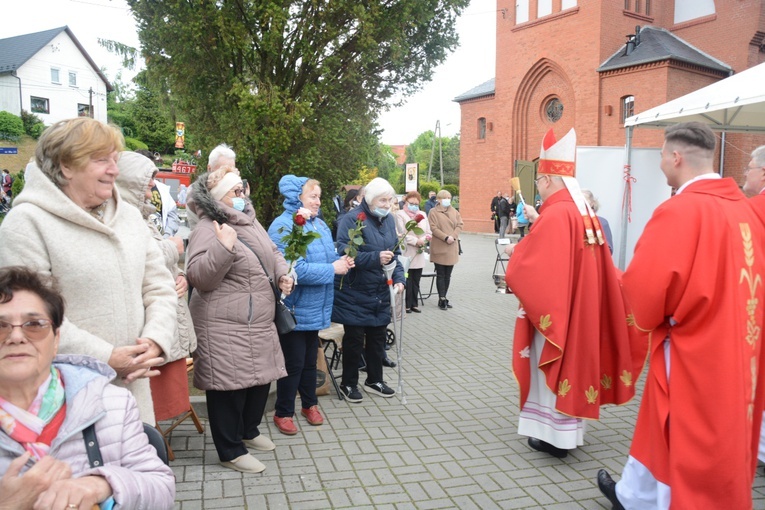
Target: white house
{"type": "Point", "coordinates": [50, 74]}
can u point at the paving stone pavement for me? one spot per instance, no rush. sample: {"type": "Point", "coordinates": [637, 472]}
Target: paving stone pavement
{"type": "Point", "coordinates": [453, 445]}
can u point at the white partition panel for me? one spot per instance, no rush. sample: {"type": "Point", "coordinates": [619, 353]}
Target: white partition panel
{"type": "Point", "coordinates": [601, 170]}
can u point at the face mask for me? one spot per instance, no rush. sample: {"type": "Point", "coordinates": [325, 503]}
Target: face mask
{"type": "Point", "coordinates": [413, 207]}
{"type": "Point", "coordinates": [446, 202]}
{"type": "Point", "coordinates": [354, 203]}
{"type": "Point", "coordinates": [237, 203]}
{"type": "Point", "coordinates": [380, 212]}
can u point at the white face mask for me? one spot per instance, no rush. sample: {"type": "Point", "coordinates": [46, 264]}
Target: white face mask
{"type": "Point", "coordinates": [446, 202]}
{"type": "Point", "coordinates": [237, 203]}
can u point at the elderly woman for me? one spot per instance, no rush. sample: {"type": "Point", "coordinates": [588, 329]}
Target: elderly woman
{"type": "Point", "coordinates": [47, 406]}
{"type": "Point", "coordinates": [446, 225]}
{"type": "Point", "coordinates": [311, 301]}
{"type": "Point", "coordinates": [415, 245]}
{"type": "Point", "coordinates": [71, 223]}
{"type": "Point", "coordinates": [231, 262]}
{"type": "Point", "coordinates": [170, 389]}
{"type": "Point", "coordinates": [362, 297]}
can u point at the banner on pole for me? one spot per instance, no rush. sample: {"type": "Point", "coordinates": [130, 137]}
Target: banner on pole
{"type": "Point", "coordinates": [412, 177]}
{"type": "Point", "coordinates": [180, 135]}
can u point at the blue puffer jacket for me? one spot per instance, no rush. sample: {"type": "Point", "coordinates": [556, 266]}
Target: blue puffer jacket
{"type": "Point", "coordinates": [312, 298]}
{"type": "Point", "coordinates": [364, 299]}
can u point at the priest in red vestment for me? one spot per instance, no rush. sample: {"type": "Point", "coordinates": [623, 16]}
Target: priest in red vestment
{"type": "Point", "coordinates": [571, 349]}
{"type": "Point", "coordinates": [754, 187]}
{"type": "Point", "coordinates": [696, 284]}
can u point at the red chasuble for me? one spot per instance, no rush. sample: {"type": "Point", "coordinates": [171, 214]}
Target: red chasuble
{"type": "Point", "coordinates": [569, 292]}
{"type": "Point", "coordinates": [701, 262]}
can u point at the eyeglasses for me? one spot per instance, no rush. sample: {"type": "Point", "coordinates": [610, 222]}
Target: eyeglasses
{"type": "Point", "coordinates": [750, 168]}
{"type": "Point", "coordinates": [238, 191]}
{"type": "Point", "coordinates": [539, 178]}
{"type": "Point", "coordinates": [34, 330]}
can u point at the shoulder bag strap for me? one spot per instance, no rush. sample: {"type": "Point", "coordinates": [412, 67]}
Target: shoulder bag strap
{"type": "Point", "coordinates": [91, 446]}
{"type": "Point", "coordinates": [277, 292]}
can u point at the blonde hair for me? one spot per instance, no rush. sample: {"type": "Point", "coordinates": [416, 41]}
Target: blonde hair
{"type": "Point", "coordinates": [71, 143]}
{"type": "Point", "coordinates": [443, 194]}
{"type": "Point", "coordinates": [214, 177]}
{"type": "Point", "coordinates": [588, 195]}
{"type": "Point", "coordinates": [309, 185]}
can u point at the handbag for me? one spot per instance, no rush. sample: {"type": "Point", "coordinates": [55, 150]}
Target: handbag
{"type": "Point", "coordinates": [284, 318]}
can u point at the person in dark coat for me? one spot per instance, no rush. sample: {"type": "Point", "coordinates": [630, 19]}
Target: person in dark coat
{"type": "Point", "coordinates": [362, 298]}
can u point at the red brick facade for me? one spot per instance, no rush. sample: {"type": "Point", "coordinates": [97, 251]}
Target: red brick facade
{"type": "Point", "coordinates": [557, 56]}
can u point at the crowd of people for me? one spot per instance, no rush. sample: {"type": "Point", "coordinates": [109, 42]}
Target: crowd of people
{"type": "Point", "coordinates": [98, 317]}
{"type": "Point", "coordinates": [93, 229]}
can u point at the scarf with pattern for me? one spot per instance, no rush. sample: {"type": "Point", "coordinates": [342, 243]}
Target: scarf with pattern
{"type": "Point", "coordinates": [25, 426]}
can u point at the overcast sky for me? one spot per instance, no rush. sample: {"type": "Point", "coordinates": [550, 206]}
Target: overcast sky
{"type": "Point", "coordinates": [470, 65]}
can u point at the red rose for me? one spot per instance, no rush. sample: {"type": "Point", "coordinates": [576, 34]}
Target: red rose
{"type": "Point", "coordinates": [361, 217]}
{"type": "Point", "coordinates": [419, 218]}
{"type": "Point", "coordinates": [299, 219]}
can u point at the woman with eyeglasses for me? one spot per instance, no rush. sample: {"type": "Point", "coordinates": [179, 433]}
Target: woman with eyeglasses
{"type": "Point", "coordinates": [70, 222]}
{"type": "Point", "coordinates": [415, 246]}
{"type": "Point", "coordinates": [48, 403]}
{"type": "Point", "coordinates": [229, 262]}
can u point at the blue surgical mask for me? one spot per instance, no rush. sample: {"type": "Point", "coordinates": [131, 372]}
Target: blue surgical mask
{"type": "Point", "coordinates": [413, 207]}
{"type": "Point", "coordinates": [238, 203]}
{"type": "Point", "coordinates": [446, 202]}
{"type": "Point", "coordinates": [380, 212]}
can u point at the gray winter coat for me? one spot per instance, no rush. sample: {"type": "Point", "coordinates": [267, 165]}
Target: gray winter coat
{"type": "Point", "coordinates": [232, 303]}
{"type": "Point", "coordinates": [138, 478]}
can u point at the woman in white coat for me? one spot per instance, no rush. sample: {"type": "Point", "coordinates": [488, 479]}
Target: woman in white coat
{"type": "Point", "coordinates": [70, 222]}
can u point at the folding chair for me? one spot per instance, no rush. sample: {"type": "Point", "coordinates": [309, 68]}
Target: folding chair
{"type": "Point", "coordinates": [499, 264]}
{"type": "Point", "coordinates": [332, 343]}
{"type": "Point", "coordinates": [191, 413]}
{"type": "Point", "coordinates": [432, 276]}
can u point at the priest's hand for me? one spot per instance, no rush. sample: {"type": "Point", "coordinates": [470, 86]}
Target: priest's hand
{"type": "Point", "coordinates": [530, 213]}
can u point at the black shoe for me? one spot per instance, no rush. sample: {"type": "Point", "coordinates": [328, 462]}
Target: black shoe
{"type": "Point", "coordinates": [442, 304]}
{"type": "Point", "coordinates": [409, 310]}
{"type": "Point", "coordinates": [542, 446]}
{"type": "Point", "coordinates": [379, 388]}
{"type": "Point", "coordinates": [352, 394]}
{"type": "Point", "coordinates": [416, 310]}
{"type": "Point", "coordinates": [387, 362]}
{"type": "Point", "coordinates": [608, 487]}
{"type": "Point", "coordinates": [447, 304]}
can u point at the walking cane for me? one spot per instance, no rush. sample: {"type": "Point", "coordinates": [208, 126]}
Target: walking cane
{"type": "Point", "coordinates": [398, 325]}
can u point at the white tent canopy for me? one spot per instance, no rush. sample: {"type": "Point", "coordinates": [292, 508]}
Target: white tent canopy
{"type": "Point", "coordinates": [735, 104]}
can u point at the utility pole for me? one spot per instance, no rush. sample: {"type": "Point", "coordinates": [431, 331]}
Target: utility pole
{"type": "Point", "coordinates": [437, 134]}
{"type": "Point", "coordinates": [90, 105]}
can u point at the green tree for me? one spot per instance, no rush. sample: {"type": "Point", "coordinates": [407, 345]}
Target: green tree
{"type": "Point", "coordinates": [293, 85]}
{"type": "Point", "coordinates": [426, 143]}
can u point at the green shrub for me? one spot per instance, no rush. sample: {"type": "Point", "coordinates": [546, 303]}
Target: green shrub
{"type": "Point", "coordinates": [132, 144]}
{"type": "Point", "coordinates": [18, 183]}
{"type": "Point", "coordinates": [11, 126]}
{"type": "Point", "coordinates": [453, 189]}
{"type": "Point", "coordinates": [428, 186]}
{"type": "Point", "coordinates": [33, 125]}
{"type": "Point", "coordinates": [36, 130]}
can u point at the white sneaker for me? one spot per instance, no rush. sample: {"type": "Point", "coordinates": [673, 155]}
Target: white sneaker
{"type": "Point", "coordinates": [246, 464]}
{"type": "Point", "coordinates": [261, 443]}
